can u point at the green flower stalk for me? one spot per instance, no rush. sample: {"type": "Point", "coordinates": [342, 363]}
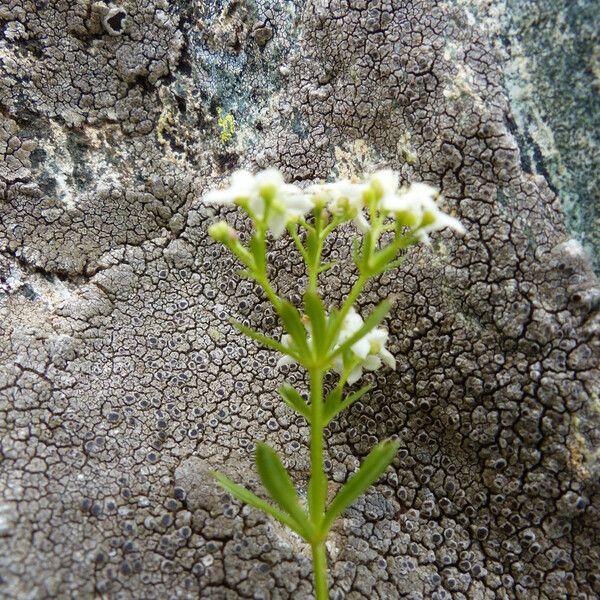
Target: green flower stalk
{"type": "Point", "coordinates": [388, 220]}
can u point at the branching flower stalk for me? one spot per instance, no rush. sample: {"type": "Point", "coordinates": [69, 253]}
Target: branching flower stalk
{"type": "Point", "coordinates": [388, 220]}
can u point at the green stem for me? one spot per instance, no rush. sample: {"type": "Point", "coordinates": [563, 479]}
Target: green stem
{"type": "Point", "coordinates": [319, 553]}
{"type": "Point", "coordinates": [260, 266]}
{"type": "Point", "coordinates": [318, 483]}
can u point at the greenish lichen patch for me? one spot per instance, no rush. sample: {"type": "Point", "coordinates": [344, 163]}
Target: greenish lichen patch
{"type": "Point", "coordinates": [552, 80]}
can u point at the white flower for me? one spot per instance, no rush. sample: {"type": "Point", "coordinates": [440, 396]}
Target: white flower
{"type": "Point", "coordinates": [416, 208]}
{"type": "Point", "coordinates": [242, 186]}
{"type": "Point", "coordinates": [408, 205]}
{"type": "Point", "coordinates": [434, 219]}
{"type": "Point", "coordinates": [286, 359]}
{"type": "Point", "coordinates": [384, 184]}
{"type": "Point", "coordinates": [344, 198]}
{"type": "Point", "coordinates": [369, 350]}
{"type": "Point", "coordinates": [265, 191]}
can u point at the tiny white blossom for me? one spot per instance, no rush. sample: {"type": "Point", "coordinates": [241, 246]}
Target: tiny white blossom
{"type": "Point", "coordinates": [434, 219]}
{"type": "Point", "coordinates": [369, 350]}
{"type": "Point", "coordinates": [344, 198]}
{"type": "Point", "coordinates": [242, 186]}
{"type": "Point", "coordinates": [286, 359]}
{"type": "Point", "coordinates": [416, 207]}
{"type": "Point", "coordinates": [267, 188]}
{"type": "Point", "coordinates": [384, 184]}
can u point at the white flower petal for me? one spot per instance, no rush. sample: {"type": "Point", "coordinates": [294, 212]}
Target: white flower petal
{"type": "Point", "coordinates": [384, 182]}
{"type": "Point", "coordinates": [219, 197]}
{"type": "Point", "coordinates": [285, 360]}
{"type": "Point", "coordinates": [355, 375]}
{"type": "Point", "coordinates": [361, 223]}
{"type": "Point", "coordinates": [443, 220]}
{"type": "Point", "coordinates": [372, 362]}
{"type": "Point", "coordinates": [243, 180]}
{"type": "Point", "coordinates": [388, 358]}
{"type": "Point", "coordinates": [269, 178]}
{"type": "Point", "coordinates": [277, 223]}
{"type": "Point", "coordinates": [377, 339]}
{"type": "Point", "coordinates": [362, 348]}
{"type": "Point", "coordinates": [422, 190]}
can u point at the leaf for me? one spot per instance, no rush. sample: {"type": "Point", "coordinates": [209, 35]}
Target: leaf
{"type": "Point", "coordinates": [332, 409]}
{"type": "Point", "coordinates": [294, 326]}
{"type": "Point", "coordinates": [356, 251]}
{"type": "Point", "coordinates": [262, 339]}
{"type": "Point", "coordinates": [385, 261]}
{"type": "Point", "coordinates": [394, 264]}
{"type": "Point", "coordinates": [371, 322]}
{"type": "Point", "coordinates": [326, 266]}
{"type": "Point", "coordinates": [243, 495]}
{"type": "Point", "coordinates": [294, 400]}
{"type": "Point", "coordinates": [372, 467]}
{"type": "Point", "coordinates": [331, 326]}
{"type": "Point", "coordinates": [278, 483]}
{"type": "Point", "coordinates": [333, 397]}
{"type": "Point", "coordinates": [316, 313]}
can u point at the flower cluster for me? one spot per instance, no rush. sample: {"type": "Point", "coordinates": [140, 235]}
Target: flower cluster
{"type": "Point", "coordinates": [272, 204]}
{"type": "Point", "coordinates": [267, 198]}
{"type": "Point", "coordinates": [368, 353]}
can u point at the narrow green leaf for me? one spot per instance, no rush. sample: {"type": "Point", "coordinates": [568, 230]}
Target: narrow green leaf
{"type": "Point", "coordinates": [371, 322]}
{"type": "Point", "coordinates": [332, 409]}
{"type": "Point", "coordinates": [333, 397]}
{"type": "Point", "coordinates": [294, 326]}
{"type": "Point", "coordinates": [372, 467]}
{"type": "Point", "coordinates": [330, 329]}
{"type": "Point", "coordinates": [316, 313]}
{"type": "Point", "coordinates": [262, 339]}
{"type": "Point", "coordinates": [243, 495]}
{"type": "Point", "coordinates": [326, 266]}
{"type": "Point", "coordinates": [394, 264]}
{"type": "Point", "coordinates": [278, 483]}
{"type": "Point", "coordinates": [356, 250]}
{"type": "Point", "coordinates": [294, 400]}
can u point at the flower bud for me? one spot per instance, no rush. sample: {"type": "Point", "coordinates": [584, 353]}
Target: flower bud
{"type": "Point", "coordinates": [222, 232]}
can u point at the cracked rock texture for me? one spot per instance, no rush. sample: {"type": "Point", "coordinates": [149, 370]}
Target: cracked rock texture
{"type": "Point", "coordinates": [122, 384]}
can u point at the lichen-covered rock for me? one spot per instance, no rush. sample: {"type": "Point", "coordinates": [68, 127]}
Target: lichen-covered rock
{"type": "Point", "coordinates": [122, 384]}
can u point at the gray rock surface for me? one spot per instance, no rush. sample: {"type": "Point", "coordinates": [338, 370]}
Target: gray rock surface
{"type": "Point", "coordinates": [122, 384]}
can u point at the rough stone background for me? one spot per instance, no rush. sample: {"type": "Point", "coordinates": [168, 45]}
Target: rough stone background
{"type": "Point", "coordinates": [121, 382]}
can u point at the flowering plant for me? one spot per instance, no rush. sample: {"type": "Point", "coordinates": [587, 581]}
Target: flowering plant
{"type": "Point", "coordinates": [389, 219]}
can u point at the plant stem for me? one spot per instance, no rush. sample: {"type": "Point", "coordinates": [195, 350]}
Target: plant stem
{"type": "Point", "coordinates": [319, 553]}
{"type": "Point", "coordinates": [318, 483]}
{"type": "Point", "coordinates": [318, 479]}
